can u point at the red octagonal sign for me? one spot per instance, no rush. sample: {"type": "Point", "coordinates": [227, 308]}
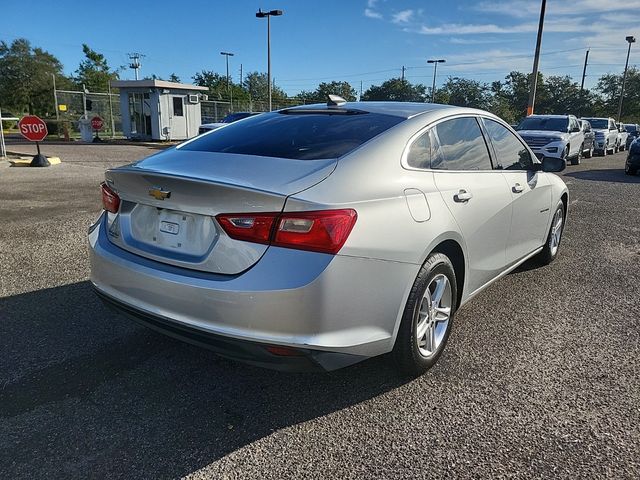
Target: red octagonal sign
{"type": "Point", "coordinates": [33, 128]}
{"type": "Point", "coordinates": [97, 123]}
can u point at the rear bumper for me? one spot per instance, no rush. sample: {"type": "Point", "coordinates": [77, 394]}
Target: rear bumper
{"type": "Point", "coordinates": [338, 310]}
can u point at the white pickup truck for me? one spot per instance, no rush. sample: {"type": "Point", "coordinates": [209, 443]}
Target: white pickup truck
{"type": "Point", "coordinates": [607, 138]}
{"type": "Point", "coordinates": [557, 136]}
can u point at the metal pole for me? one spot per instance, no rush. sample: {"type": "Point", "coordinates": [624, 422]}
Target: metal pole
{"type": "Point", "coordinates": [433, 87]}
{"type": "Point", "coordinates": [227, 57]}
{"type": "Point", "coordinates": [240, 74]}
{"type": "Point", "coordinates": [84, 100]}
{"type": "Point", "coordinates": [113, 123]}
{"type": "Point", "coordinates": [624, 77]}
{"type": "Point", "coordinates": [536, 58]}
{"type": "Point", "coordinates": [269, 57]}
{"type": "Point", "coordinates": [403, 73]}
{"type": "Point", "coordinates": [55, 99]}
{"type": "Point", "coordinates": [584, 71]}
{"type": "Point", "coordinates": [584, 74]}
{"type": "Point", "coordinates": [3, 148]}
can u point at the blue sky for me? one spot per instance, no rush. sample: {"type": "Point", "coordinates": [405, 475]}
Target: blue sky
{"type": "Point", "coordinates": [352, 40]}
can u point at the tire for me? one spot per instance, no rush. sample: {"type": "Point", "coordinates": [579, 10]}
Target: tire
{"type": "Point", "coordinates": [552, 245]}
{"type": "Point", "coordinates": [413, 355]}
{"type": "Point", "coordinates": [605, 150]}
{"type": "Point", "coordinates": [589, 153]}
{"type": "Point", "coordinates": [565, 153]}
{"type": "Point", "coordinates": [630, 171]}
{"type": "Point", "coordinates": [576, 160]}
{"type": "Point", "coordinates": [616, 148]}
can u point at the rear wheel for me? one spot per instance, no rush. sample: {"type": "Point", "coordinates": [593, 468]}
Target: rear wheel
{"type": "Point", "coordinates": [428, 316]}
{"type": "Point", "coordinates": [629, 170]}
{"type": "Point", "coordinates": [550, 249]}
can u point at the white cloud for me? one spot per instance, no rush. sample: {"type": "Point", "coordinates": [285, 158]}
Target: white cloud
{"type": "Point", "coordinates": [563, 26]}
{"type": "Point", "coordinates": [368, 12]}
{"type": "Point", "coordinates": [531, 8]}
{"type": "Point", "coordinates": [403, 16]}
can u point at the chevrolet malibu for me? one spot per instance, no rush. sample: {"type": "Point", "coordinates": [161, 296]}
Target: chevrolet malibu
{"type": "Point", "coordinates": [318, 236]}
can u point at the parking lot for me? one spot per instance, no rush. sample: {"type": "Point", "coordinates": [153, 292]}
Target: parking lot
{"type": "Point", "coordinates": [539, 379]}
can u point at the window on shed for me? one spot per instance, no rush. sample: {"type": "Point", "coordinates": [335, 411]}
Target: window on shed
{"type": "Point", "coordinates": [178, 107]}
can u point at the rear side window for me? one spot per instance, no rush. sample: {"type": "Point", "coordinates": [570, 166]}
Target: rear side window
{"type": "Point", "coordinates": [511, 153]}
{"type": "Point", "coordinates": [301, 136]}
{"type": "Point", "coordinates": [462, 146]}
{"type": "Point", "coordinates": [419, 155]}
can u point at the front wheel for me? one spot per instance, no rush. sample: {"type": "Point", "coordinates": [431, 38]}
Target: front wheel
{"type": "Point", "coordinates": [576, 160]}
{"type": "Point", "coordinates": [630, 171]}
{"type": "Point", "coordinates": [428, 316]}
{"type": "Point", "coordinates": [589, 153]}
{"type": "Point", "coordinates": [550, 250]}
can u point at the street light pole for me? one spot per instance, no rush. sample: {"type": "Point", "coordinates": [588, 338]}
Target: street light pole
{"type": "Point", "coordinates": [435, 71]}
{"type": "Point", "coordinates": [536, 58]}
{"type": "Point", "coordinates": [227, 55]}
{"type": "Point", "coordinates": [261, 14]}
{"type": "Point", "coordinates": [630, 39]}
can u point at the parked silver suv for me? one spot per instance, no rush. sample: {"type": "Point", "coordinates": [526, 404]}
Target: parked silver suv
{"type": "Point", "coordinates": [558, 136]}
{"type": "Point", "coordinates": [607, 138]}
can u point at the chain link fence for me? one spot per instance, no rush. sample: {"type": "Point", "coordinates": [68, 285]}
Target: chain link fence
{"type": "Point", "coordinates": [71, 106]}
{"type": "Point", "coordinates": [215, 110]}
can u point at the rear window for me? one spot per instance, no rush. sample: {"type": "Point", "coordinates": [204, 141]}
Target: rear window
{"type": "Point", "coordinates": [301, 136]}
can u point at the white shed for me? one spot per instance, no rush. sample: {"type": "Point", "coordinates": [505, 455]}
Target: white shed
{"type": "Point", "coordinates": [159, 110]}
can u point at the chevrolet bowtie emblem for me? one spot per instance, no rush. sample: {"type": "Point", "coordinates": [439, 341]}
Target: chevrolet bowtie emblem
{"type": "Point", "coordinates": [158, 193]}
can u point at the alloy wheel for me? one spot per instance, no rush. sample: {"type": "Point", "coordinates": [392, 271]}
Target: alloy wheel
{"type": "Point", "coordinates": [433, 316]}
{"type": "Point", "coordinates": [556, 230]}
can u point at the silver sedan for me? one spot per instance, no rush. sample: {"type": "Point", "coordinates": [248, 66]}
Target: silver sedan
{"type": "Point", "coordinates": [319, 236]}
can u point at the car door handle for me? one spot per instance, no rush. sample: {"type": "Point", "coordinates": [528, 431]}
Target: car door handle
{"type": "Point", "coordinates": [462, 196]}
{"type": "Point", "coordinates": [517, 188]}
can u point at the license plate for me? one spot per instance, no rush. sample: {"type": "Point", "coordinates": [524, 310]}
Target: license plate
{"type": "Point", "coordinates": [169, 227]}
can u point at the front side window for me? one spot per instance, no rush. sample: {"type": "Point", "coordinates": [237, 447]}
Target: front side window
{"type": "Point", "coordinates": [461, 146]}
{"type": "Point", "coordinates": [511, 153]}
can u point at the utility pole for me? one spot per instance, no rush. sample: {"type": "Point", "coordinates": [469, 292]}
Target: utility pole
{"type": "Point", "coordinates": [360, 98]}
{"type": "Point", "coordinates": [240, 74]}
{"type": "Point", "coordinates": [135, 62]}
{"type": "Point", "coordinates": [403, 73]}
{"type": "Point", "coordinates": [435, 72]}
{"type": "Point", "coordinates": [584, 74]}
{"type": "Point", "coordinates": [630, 39]}
{"type": "Point", "coordinates": [536, 58]}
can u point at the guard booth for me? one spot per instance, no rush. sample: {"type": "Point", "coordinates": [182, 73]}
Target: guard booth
{"type": "Point", "coordinates": [159, 110]}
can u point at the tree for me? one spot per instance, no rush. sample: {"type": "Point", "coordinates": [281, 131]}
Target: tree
{"type": "Point", "coordinates": [94, 72]}
{"type": "Point", "coordinates": [320, 94]}
{"type": "Point", "coordinates": [217, 85]}
{"type": "Point", "coordinates": [257, 86]}
{"type": "Point", "coordinates": [463, 92]}
{"type": "Point", "coordinates": [174, 78]}
{"type": "Point", "coordinates": [26, 78]}
{"type": "Point", "coordinates": [397, 90]}
{"type": "Point", "coordinates": [610, 86]}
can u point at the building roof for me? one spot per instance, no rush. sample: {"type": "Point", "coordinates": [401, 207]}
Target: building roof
{"type": "Point", "coordinates": [155, 84]}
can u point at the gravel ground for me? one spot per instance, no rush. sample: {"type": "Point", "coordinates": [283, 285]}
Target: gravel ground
{"type": "Point", "coordinates": [540, 377]}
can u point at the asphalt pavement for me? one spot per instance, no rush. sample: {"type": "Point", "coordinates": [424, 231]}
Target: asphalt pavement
{"type": "Point", "coordinates": [540, 377]}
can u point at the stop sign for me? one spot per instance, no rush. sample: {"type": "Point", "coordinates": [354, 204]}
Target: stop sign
{"type": "Point", "coordinates": [33, 128]}
{"type": "Point", "coordinates": [97, 123]}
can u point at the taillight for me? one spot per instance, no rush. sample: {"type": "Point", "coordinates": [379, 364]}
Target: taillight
{"type": "Point", "coordinates": [323, 231]}
{"type": "Point", "coordinates": [248, 227]}
{"type": "Point", "coordinates": [110, 199]}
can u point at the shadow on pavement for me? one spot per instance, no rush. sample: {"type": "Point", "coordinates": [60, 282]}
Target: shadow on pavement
{"type": "Point", "coordinates": [604, 175]}
{"type": "Point", "coordinates": [140, 404]}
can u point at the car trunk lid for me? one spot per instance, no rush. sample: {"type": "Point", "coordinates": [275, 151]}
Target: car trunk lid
{"type": "Point", "coordinates": [169, 202]}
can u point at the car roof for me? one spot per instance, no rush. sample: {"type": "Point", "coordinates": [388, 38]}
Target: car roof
{"type": "Point", "coordinates": [398, 109]}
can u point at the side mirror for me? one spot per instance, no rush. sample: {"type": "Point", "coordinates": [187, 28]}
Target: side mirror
{"type": "Point", "coordinates": [551, 164]}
